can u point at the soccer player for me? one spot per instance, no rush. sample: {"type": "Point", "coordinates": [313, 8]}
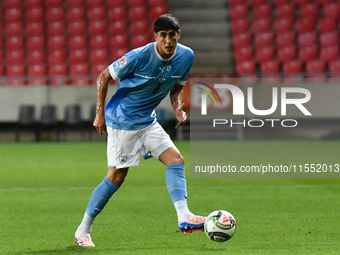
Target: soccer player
{"type": "Point", "coordinates": [146, 75]}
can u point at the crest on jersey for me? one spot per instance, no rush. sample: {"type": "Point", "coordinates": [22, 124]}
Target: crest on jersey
{"type": "Point", "coordinates": [168, 68]}
{"type": "Point", "coordinates": [122, 61]}
{"type": "Point", "coordinates": [122, 159]}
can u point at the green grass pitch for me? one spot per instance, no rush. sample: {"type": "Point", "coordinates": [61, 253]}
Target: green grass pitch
{"type": "Point", "coordinates": [45, 188]}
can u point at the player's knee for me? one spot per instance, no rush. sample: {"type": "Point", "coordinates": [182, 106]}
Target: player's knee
{"type": "Point", "coordinates": [180, 159]}
{"type": "Point", "coordinates": [117, 176]}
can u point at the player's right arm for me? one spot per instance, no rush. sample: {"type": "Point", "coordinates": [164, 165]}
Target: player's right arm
{"type": "Point", "coordinates": [102, 85]}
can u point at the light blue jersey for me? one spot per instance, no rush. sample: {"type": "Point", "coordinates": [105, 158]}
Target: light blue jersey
{"type": "Point", "coordinates": [145, 80]}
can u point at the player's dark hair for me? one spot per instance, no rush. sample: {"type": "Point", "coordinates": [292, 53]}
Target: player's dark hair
{"type": "Point", "coordinates": [166, 22]}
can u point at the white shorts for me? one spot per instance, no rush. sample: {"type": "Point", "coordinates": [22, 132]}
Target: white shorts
{"type": "Point", "coordinates": [125, 148]}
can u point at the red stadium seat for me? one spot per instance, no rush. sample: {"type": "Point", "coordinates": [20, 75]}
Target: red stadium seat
{"type": "Point", "coordinates": [329, 38]}
{"type": "Point", "coordinates": [56, 42]}
{"type": "Point", "coordinates": [238, 11]}
{"type": "Point", "coordinates": [97, 27]}
{"type": "Point", "coordinates": [262, 25]}
{"type": "Point", "coordinates": [163, 2]}
{"type": "Point", "coordinates": [35, 14]}
{"type": "Point", "coordinates": [242, 39]}
{"type": "Point", "coordinates": [310, 10]}
{"type": "Point", "coordinates": [139, 26]}
{"type": "Point", "coordinates": [244, 53]}
{"type": "Point", "coordinates": [55, 13]}
{"type": "Point", "coordinates": [308, 53]}
{"type": "Point", "coordinates": [138, 12]}
{"type": "Point", "coordinates": [119, 41]}
{"type": "Point", "coordinates": [77, 42]}
{"type": "Point", "coordinates": [235, 2]}
{"type": "Point", "coordinates": [117, 53]}
{"type": "Point", "coordinates": [12, 3]}
{"type": "Point", "coordinates": [270, 66]}
{"type": "Point", "coordinates": [33, 3]}
{"type": "Point", "coordinates": [316, 70]}
{"type": "Point", "coordinates": [15, 57]}
{"type": "Point", "coordinates": [56, 3]}
{"type": "Point", "coordinates": [35, 42]}
{"type": "Point", "coordinates": [287, 53]}
{"type": "Point", "coordinates": [117, 13]}
{"type": "Point", "coordinates": [34, 28]}
{"type": "Point", "coordinates": [246, 67]}
{"type": "Point", "coordinates": [308, 38]}
{"type": "Point", "coordinates": [57, 56]}
{"type": "Point", "coordinates": [331, 10]}
{"type": "Point", "coordinates": [113, 3]}
{"type": "Point", "coordinates": [93, 3]}
{"type": "Point", "coordinates": [133, 3]}
{"type": "Point", "coordinates": [334, 66]}
{"type": "Point", "coordinates": [79, 73]}
{"type": "Point", "coordinates": [57, 73]}
{"type": "Point", "coordinates": [283, 25]}
{"type": "Point", "coordinates": [118, 27]}
{"type": "Point", "coordinates": [326, 25]}
{"type": "Point", "coordinates": [14, 28]}
{"type": "Point", "coordinates": [97, 68]}
{"type": "Point", "coordinates": [14, 42]}
{"type": "Point", "coordinates": [36, 57]}
{"type": "Point", "coordinates": [240, 25]}
{"type": "Point", "coordinates": [78, 56]}
{"type": "Point", "coordinates": [305, 24]}
{"type": "Point", "coordinates": [264, 39]}
{"type": "Point", "coordinates": [98, 42]}
{"type": "Point", "coordinates": [99, 56]}
{"type": "Point", "coordinates": [281, 2]}
{"type": "Point", "coordinates": [262, 11]}
{"type": "Point", "coordinates": [56, 28]}
{"type": "Point", "coordinates": [286, 10]}
{"type": "Point", "coordinates": [329, 53]}
{"type": "Point", "coordinates": [265, 53]}
{"type": "Point", "coordinates": [76, 27]}
{"type": "Point", "coordinates": [286, 38]}
{"type": "Point", "coordinates": [257, 2]}
{"type": "Point", "coordinates": [34, 71]}
{"type": "Point", "coordinates": [16, 71]}
{"type": "Point", "coordinates": [96, 13]}
{"type": "Point", "coordinates": [292, 69]}
{"type": "Point", "coordinates": [324, 2]}
{"type": "Point", "coordinates": [76, 13]}
{"type": "Point", "coordinates": [13, 14]}
{"type": "Point", "coordinates": [138, 40]}
{"type": "Point", "coordinates": [157, 11]}
{"type": "Point", "coordinates": [302, 2]}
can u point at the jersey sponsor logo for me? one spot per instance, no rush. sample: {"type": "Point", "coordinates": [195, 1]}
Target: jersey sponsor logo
{"type": "Point", "coordinates": [122, 61]}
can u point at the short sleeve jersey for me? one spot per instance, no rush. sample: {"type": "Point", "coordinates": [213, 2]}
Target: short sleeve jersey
{"type": "Point", "coordinates": [145, 79]}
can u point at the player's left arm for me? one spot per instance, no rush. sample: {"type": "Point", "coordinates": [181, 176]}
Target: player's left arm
{"type": "Point", "coordinates": [176, 97]}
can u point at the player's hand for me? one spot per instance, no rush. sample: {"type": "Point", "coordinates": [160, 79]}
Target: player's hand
{"type": "Point", "coordinates": [181, 116]}
{"type": "Point", "coordinates": [99, 123]}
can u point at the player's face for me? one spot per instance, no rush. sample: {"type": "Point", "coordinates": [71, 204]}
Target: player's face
{"type": "Point", "coordinates": [167, 42]}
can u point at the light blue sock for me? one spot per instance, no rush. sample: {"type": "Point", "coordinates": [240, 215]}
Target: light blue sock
{"type": "Point", "coordinates": [100, 196]}
{"type": "Point", "coordinates": [175, 182]}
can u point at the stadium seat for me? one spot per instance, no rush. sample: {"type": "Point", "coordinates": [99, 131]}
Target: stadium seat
{"type": "Point", "coordinates": [133, 3]}
{"type": "Point", "coordinates": [76, 13]}
{"type": "Point", "coordinates": [302, 2]}
{"type": "Point", "coordinates": [35, 14]}
{"type": "Point", "coordinates": [34, 28]}
{"type": "Point", "coordinates": [55, 13]}
{"type": "Point", "coordinates": [77, 41]}
{"type": "Point", "coordinates": [35, 42]}
{"type": "Point", "coordinates": [118, 27]}
{"type": "Point", "coordinates": [76, 27]}
{"type": "Point", "coordinates": [27, 119]}
{"type": "Point", "coordinates": [264, 39]}
{"type": "Point", "coordinates": [117, 53]}
{"type": "Point", "coordinates": [262, 25]}
{"type": "Point", "coordinates": [280, 2]}
{"type": "Point", "coordinates": [56, 28]}
{"type": "Point", "coordinates": [36, 57]}
{"type": "Point", "coordinates": [265, 53]}
{"type": "Point", "coordinates": [18, 72]}
{"type": "Point", "coordinates": [246, 67]}
{"type": "Point", "coordinates": [78, 56]}
{"type": "Point", "coordinates": [286, 38]}
{"type": "Point", "coordinates": [329, 38]}
{"type": "Point", "coordinates": [97, 27]}
{"type": "Point", "coordinates": [283, 25]}
{"type": "Point", "coordinates": [238, 11]}
{"type": "Point", "coordinates": [156, 11]}
{"type": "Point", "coordinates": [305, 24]}
{"type": "Point", "coordinates": [97, 68]}
{"type": "Point", "coordinates": [13, 14]}
{"type": "Point", "coordinates": [331, 10]}
{"type": "Point", "coordinates": [291, 70]}
{"type": "Point", "coordinates": [308, 53]}
{"type": "Point", "coordinates": [119, 41]}
{"type": "Point", "coordinates": [138, 40]}
{"type": "Point", "coordinates": [310, 10]}
{"type": "Point", "coordinates": [117, 13]}
{"type": "Point", "coordinates": [244, 53]}
{"type": "Point", "coordinates": [93, 3]}
{"type": "Point", "coordinates": [33, 3]}
{"type": "Point", "coordinates": [323, 2]}
{"type": "Point", "coordinates": [286, 10]}
{"type": "Point", "coordinates": [139, 26]}
{"type": "Point", "coordinates": [329, 53]}
{"type": "Point", "coordinates": [99, 56]}
{"type": "Point", "coordinates": [57, 3]}
{"type": "Point", "coordinates": [96, 13]}
{"type": "Point", "coordinates": [113, 3]}
{"type": "Point", "coordinates": [287, 53]}
{"type": "Point", "coordinates": [164, 2]}
{"type": "Point", "coordinates": [14, 42]}
{"type": "Point", "coordinates": [57, 74]}
{"type": "Point", "coordinates": [240, 25]}
{"type": "Point", "coordinates": [235, 2]}
{"type": "Point", "coordinates": [12, 3]}
{"type": "Point", "coordinates": [307, 38]}
{"type": "Point", "coordinates": [326, 24]}
{"type": "Point", "coordinates": [57, 56]}
{"type": "Point", "coordinates": [79, 74]}
{"type": "Point", "coordinates": [334, 66]}
{"type": "Point", "coordinates": [138, 12]}
{"type": "Point", "coordinates": [262, 11]}
{"type": "Point", "coordinates": [270, 66]}
{"type": "Point", "coordinates": [14, 28]}
{"type": "Point", "coordinates": [316, 70]}
{"type": "Point", "coordinates": [56, 42]}
{"type": "Point", "coordinates": [36, 70]}
{"type": "Point", "coordinates": [98, 42]}
{"type": "Point", "coordinates": [15, 57]}
{"type": "Point", "coordinates": [242, 39]}
{"type": "Point", "coordinates": [257, 2]}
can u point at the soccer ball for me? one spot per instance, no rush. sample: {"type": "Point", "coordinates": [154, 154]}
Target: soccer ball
{"type": "Point", "coordinates": [220, 226]}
